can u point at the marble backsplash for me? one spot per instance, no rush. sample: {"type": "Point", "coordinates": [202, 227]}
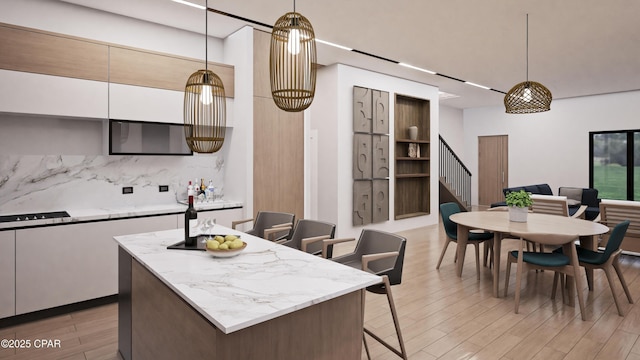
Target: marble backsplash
{"type": "Point", "coordinates": [37, 183]}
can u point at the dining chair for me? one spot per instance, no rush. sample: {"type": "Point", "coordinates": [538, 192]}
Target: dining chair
{"type": "Point", "coordinates": [308, 234]}
{"type": "Point", "coordinates": [607, 260]}
{"type": "Point", "coordinates": [269, 225]}
{"type": "Point", "coordinates": [380, 253]}
{"type": "Point", "coordinates": [554, 261]}
{"type": "Point", "coordinates": [451, 229]}
{"type": "Point", "coordinates": [613, 212]}
{"type": "Point", "coordinates": [554, 205]}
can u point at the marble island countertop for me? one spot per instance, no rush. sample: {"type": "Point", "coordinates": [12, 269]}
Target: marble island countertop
{"type": "Point", "coordinates": [108, 213]}
{"type": "Point", "coordinates": [265, 281]}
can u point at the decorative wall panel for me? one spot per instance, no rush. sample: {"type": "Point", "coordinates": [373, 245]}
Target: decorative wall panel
{"type": "Point", "coordinates": [362, 110]}
{"type": "Point", "coordinates": [380, 121]}
{"type": "Point", "coordinates": [362, 157]}
{"type": "Point", "coordinates": [380, 200]}
{"type": "Point", "coordinates": [370, 156]}
{"type": "Point", "coordinates": [380, 160]}
{"type": "Point", "coordinates": [362, 199]}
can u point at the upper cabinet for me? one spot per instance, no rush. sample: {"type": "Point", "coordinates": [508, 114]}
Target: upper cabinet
{"type": "Point", "coordinates": [53, 74]}
{"type": "Point", "coordinates": [51, 54]}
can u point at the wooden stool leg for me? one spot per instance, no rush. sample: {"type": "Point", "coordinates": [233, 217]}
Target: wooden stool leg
{"type": "Point", "coordinates": [403, 352]}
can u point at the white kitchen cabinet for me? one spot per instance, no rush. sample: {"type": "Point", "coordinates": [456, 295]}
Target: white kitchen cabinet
{"type": "Point", "coordinates": [64, 264]}
{"type": "Point", "coordinates": [7, 273]}
{"type": "Point", "coordinates": [28, 93]}
{"type": "Point", "coordinates": [128, 102]}
{"type": "Point", "coordinates": [223, 217]}
{"type": "Point", "coordinates": [139, 103]}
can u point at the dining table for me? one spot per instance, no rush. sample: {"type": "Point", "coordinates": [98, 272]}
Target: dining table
{"type": "Point", "coordinates": [499, 224]}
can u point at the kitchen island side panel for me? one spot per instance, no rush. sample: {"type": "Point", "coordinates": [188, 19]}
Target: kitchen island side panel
{"type": "Point", "coordinates": [164, 326]}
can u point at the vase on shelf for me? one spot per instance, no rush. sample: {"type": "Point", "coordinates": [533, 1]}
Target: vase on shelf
{"type": "Point", "coordinates": [413, 132]}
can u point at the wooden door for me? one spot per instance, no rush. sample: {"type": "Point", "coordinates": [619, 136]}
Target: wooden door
{"type": "Point", "coordinates": [493, 168]}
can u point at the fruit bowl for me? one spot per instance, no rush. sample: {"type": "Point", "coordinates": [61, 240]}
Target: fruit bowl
{"type": "Point", "coordinates": [228, 252]}
{"type": "Point", "coordinates": [224, 245]}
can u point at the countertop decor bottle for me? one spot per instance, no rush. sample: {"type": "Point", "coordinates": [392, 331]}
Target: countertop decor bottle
{"type": "Point", "coordinates": [190, 224]}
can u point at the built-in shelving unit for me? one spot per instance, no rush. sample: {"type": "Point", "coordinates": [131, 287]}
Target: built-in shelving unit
{"type": "Point", "coordinates": [412, 176]}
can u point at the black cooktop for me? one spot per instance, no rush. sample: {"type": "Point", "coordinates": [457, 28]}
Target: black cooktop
{"type": "Point", "coordinates": [34, 216]}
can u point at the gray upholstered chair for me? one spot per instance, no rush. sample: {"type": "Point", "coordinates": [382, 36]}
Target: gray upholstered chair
{"type": "Point", "coordinates": [269, 225]}
{"type": "Point", "coordinates": [380, 253]}
{"type": "Point", "coordinates": [308, 235]}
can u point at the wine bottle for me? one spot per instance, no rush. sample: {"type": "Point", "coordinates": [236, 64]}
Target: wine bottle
{"type": "Point", "coordinates": [190, 224]}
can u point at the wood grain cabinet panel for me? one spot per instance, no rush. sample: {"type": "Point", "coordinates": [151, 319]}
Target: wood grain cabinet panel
{"type": "Point", "coordinates": [52, 54]}
{"type": "Point", "coordinates": [141, 68]}
{"type": "Point", "coordinates": [278, 143]}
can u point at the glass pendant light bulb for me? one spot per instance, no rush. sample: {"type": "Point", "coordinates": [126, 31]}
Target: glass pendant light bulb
{"type": "Point", "coordinates": [293, 42]}
{"type": "Point", "coordinates": [206, 96]}
{"type": "Point", "coordinates": [527, 95]}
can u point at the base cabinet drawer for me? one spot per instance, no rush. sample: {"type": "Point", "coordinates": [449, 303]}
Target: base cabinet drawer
{"type": "Point", "coordinates": [65, 264]}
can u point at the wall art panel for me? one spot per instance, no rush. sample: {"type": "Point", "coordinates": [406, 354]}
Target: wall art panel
{"type": "Point", "coordinates": [362, 200]}
{"type": "Point", "coordinates": [380, 120]}
{"type": "Point", "coordinates": [362, 110]}
{"type": "Point", "coordinates": [380, 160]}
{"type": "Point", "coordinates": [380, 200]}
{"type": "Point", "coordinates": [370, 156]}
{"type": "Point", "coordinates": [362, 156]}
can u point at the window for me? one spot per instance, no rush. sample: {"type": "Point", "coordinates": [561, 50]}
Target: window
{"type": "Point", "coordinates": [615, 164]}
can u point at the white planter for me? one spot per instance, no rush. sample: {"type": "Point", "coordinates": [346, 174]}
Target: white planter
{"type": "Point", "coordinates": [518, 214]}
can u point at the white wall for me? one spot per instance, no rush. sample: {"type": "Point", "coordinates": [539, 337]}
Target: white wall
{"type": "Point", "coordinates": [332, 117]}
{"type": "Point", "coordinates": [239, 141]}
{"type": "Point", "coordinates": [452, 128]}
{"type": "Point", "coordinates": [550, 147]}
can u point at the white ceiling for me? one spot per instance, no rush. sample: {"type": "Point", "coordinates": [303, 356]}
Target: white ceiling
{"type": "Point", "coordinates": [576, 47]}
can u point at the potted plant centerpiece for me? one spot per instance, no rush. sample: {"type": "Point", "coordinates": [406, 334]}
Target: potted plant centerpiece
{"type": "Point", "coordinates": [518, 203]}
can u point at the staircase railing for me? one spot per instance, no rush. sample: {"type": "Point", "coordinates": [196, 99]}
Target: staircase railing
{"type": "Point", "coordinates": [454, 172]}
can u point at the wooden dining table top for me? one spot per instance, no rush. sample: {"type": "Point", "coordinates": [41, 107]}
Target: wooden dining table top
{"type": "Point", "coordinates": [498, 221]}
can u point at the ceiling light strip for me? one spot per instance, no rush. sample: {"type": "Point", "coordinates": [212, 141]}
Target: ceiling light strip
{"type": "Point", "coordinates": [334, 45]}
{"type": "Point", "coordinates": [417, 68]}
{"type": "Point", "coordinates": [183, 2]}
{"type": "Point", "coordinates": [477, 85]}
{"type": "Point", "coordinates": [343, 47]}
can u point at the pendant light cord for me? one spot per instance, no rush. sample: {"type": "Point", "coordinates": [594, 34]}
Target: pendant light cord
{"type": "Point", "coordinates": [206, 35]}
{"type": "Point", "coordinates": [527, 47]}
{"type": "Point", "coordinates": [294, 6]}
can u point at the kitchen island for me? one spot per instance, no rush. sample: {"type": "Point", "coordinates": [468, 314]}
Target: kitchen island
{"type": "Point", "coordinates": [269, 302]}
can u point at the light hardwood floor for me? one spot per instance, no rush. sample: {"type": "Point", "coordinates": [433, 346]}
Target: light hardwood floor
{"type": "Point", "coordinates": [442, 316]}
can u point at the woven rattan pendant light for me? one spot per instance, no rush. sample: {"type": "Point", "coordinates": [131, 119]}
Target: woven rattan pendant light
{"type": "Point", "coordinates": [204, 107]}
{"type": "Point", "coordinates": [292, 62]}
{"type": "Point", "coordinates": [529, 96]}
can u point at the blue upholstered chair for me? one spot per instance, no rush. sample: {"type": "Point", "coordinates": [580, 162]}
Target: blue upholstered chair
{"type": "Point", "coordinates": [607, 260]}
{"type": "Point", "coordinates": [451, 228]}
{"type": "Point", "coordinates": [554, 261]}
